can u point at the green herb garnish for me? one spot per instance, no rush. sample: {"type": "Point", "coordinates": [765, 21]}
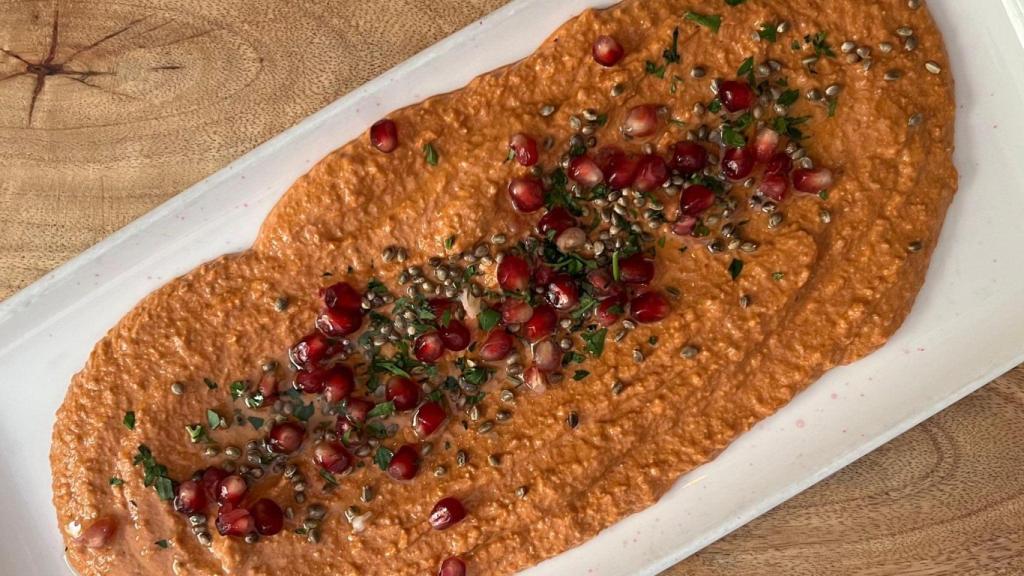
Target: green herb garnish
{"type": "Point", "coordinates": [710, 21]}
{"type": "Point", "coordinates": [735, 268]}
{"type": "Point", "coordinates": [430, 154]}
{"type": "Point", "coordinates": [129, 420]}
{"type": "Point", "coordinates": [382, 457]}
{"type": "Point", "coordinates": [488, 319]}
{"type": "Point", "coordinates": [155, 473]}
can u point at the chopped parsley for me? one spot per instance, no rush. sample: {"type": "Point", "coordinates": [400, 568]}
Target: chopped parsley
{"type": "Point", "coordinates": [382, 457]}
{"type": "Point", "coordinates": [163, 544]}
{"type": "Point", "coordinates": [671, 54]}
{"type": "Point", "coordinates": [115, 481]}
{"type": "Point", "coordinates": [746, 69]}
{"type": "Point", "coordinates": [155, 473]}
{"type": "Point", "coordinates": [382, 410]}
{"type": "Point", "coordinates": [214, 420]}
{"type": "Point", "coordinates": [768, 31]}
{"type": "Point", "coordinates": [787, 126]}
{"type": "Point", "coordinates": [488, 319]}
{"type": "Point", "coordinates": [237, 389]}
{"type": "Point", "coordinates": [735, 268]}
{"type": "Point", "coordinates": [256, 422]}
{"type": "Point", "coordinates": [594, 340]}
{"type": "Point", "coordinates": [788, 97]}
{"type": "Point", "coordinates": [449, 242]}
{"type": "Point", "coordinates": [328, 477]}
{"type": "Point", "coordinates": [196, 432]}
{"type": "Point", "coordinates": [210, 383]}
{"type": "Point", "coordinates": [709, 21]}
{"type": "Point", "coordinates": [580, 375]}
{"type": "Point", "coordinates": [430, 154]}
{"type": "Point", "coordinates": [778, 276]}
{"type": "Point", "coordinates": [734, 2]}
{"type": "Point", "coordinates": [820, 44]}
{"type": "Point", "coordinates": [129, 420]}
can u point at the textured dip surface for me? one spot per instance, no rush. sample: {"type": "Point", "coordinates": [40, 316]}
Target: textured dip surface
{"type": "Point", "coordinates": [829, 278]}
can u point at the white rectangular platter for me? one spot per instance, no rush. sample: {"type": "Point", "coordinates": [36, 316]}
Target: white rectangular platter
{"type": "Point", "coordinates": [966, 328]}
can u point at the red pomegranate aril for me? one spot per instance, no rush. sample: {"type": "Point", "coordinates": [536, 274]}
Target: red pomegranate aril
{"type": "Point", "coordinates": [607, 51]}
{"type": "Point", "coordinates": [547, 356]}
{"type": "Point", "coordinates": [812, 181]}
{"type": "Point", "coordinates": [641, 121]}
{"type": "Point", "coordinates": [190, 497]}
{"type": "Point", "coordinates": [349, 433]}
{"type": "Point", "coordinates": [267, 517]}
{"type": "Point", "coordinates": [604, 283]}
{"type": "Point", "coordinates": [584, 170]}
{"type": "Point", "coordinates": [356, 409]}
{"type": "Point", "coordinates": [455, 335]}
{"type": "Point", "coordinates": [309, 382]}
{"type": "Point", "coordinates": [765, 144]}
{"type": "Point", "coordinates": [405, 463]}
{"type": "Point", "coordinates": [563, 293]}
{"type": "Point", "coordinates": [524, 148]}
{"type": "Point", "coordinates": [685, 225]}
{"type": "Point", "coordinates": [338, 384]}
{"type": "Point", "coordinates": [622, 170]}
{"type": "Point", "coordinates": [285, 437]}
{"type": "Point", "coordinates": [542, 324]}
{"type": "Point", "coordinates": [636, 269]}
{"type": "Point", "coordinates": [527, 194]}
{"type": "Point", "coordinates": [780, 164]}
{"type": "Point", "coordinates": [211, 481]}
{"type": "Point", "coordinates": [341, 296]}
{"type": "Point", "coordinates": [231, 489]}
{"type": "Point", "coordinates": [98, 534]}
{"type": "Point", "coordinates": [558, 219]}
{"type": "Point", "coordinates": [384, 136]}
{"type": "Point", "coordinates": [535, 380]}
{"type": "Point", "coordinates": [696, 199]}
{"type": "Point", "coordinates": [267, 386]}
{"type": "Point", "coordinates": [737, 163]}
{"type": "Point", "coordinates": [446, 513]}
{"type": "Point", "coordinates": [453, 566]}
{"type": "Point", "coordinates": [688, 157]}
{"type": "Point", "coordinates": [333, 457]}
{"type": "Point", "coordinates": [513, 274]}
{"type": "Point", "coordinates": [309, 351]}
{"type": "Point", "coordinates": [403, 392]}
{"type": "Point", "coordinates": [428, 347]}
{"type": "Point", "coordinates": [543, 274]}
{"type": "Point", "coordinates": [735, 95]}
{"type": "Point", "coordinates": [774, 186]}
{"type": "Point", "coordinates": [515, 311]}
{"type": "Point", "coordinates": [649, 307]}
{"type": "Point", "coordinates": [428, 418]}
{"type": "Point", "coordinates": [441, 305]}
{"type": "Point", "coordinates": [338, 323]}
{"type": "Point", "coordinates": [653, 172]}
{"type": "Point", "coordinates": [496, 346]}
{"type": "Point", "coordinates": [610, 311]}
{"type": "Point", "coordinates": [235, 522]}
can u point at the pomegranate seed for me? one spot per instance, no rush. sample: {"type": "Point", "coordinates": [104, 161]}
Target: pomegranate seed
{"type": "Point", "coordinates": [515, 311]}
{"type": "Point", "coordinates": [637, 269]}
{"type": "Point", "coordinates": [606, 155]}
{"type": "Point", "coordinates": [231, 489]}
{"type": "Point", "coordinates": [235, 522]}
{"type": "Point", "coordinates": [310, 382]}
{"type": "Point", "coordinates": [455, 335]}
{"type": "Point", "coordinates": [341, 296]}
{"type": "Point", "coordinates": [558, 219]}
{"type": "Point", "coordinates": [524, 148]}
{"type": "Point", "coordinates": [384, 136]}
{"type": "Point", "coordinates": [527, 194]}
{"type": "Point", "coordinates": [779, 164]}
{"type": "Point", "coordinates": [497, 346]}
{"type": "Point", "coordinates": [610, 311]}
{"type": "Point", "coordinates": [309, 351]}
{"type": "Point", "coordinates": [584, 170]}
{"type": "Point", "coordinates": [652, 173]}
{"type": "Point", "coordinates": [737, 163]}
{"type": "Point", "coordinates": [428, 418]}
{"type": "Point", "coordinates": [649, 307]}
{"type": "Point", "coordinates": [405, 463]}
{"type": "Point", "coordinates": [547, 356]}
{"type": "Point", "coordinates": [603, 282]}
{"type": "Point", "coordinates": [765, 144]}
{"type": "Point", "coordinates": [98, 534]}
{"type": "Point", "coordinates": [267, 516]}
{"type": "Point", "coordinates": [332, 456]}
{"type": "Point", "coordinates": [356, 409]}
{"type": "Point", "coordinates": [641, 121]}
{"type": "Point", "coordinates": [688, 157]}
{"type": "Point", "coordinates": [623, 170]}
{"type": "Point", "coordinates": [338, 384]}
{"type": "Point", "coordinates": [446, 513]}
{"type": "Point", "coordinates": [338, 323]}
{"type": "Point", "coordinates": [452, 567]}
{"type": "Point", "coordinates": [685, 225]}
{"type": "Point", "coordinates": [350, 434]}
{"type": "Point", "coordinates": [428, 347]}
{"type": "Point", "coordinates": [563, 293]}
{"type": "Point", "coordinates": [542, 324]}
{"type": "Point", "coordinates": [535, 380]}
{"type": "Point", "coordinates": [607, 51]}
{"type": "Point", "coordinates": [695, 200]}
{"type": "Point", "coordinates": [285, 437]}
{"type": "Point", "coordinates": [403, 392]}
{"type": "Point", "coordinates": [735, 96]}
{"type": "Point", "coordinates": [513, 274]}
{"type": "Point", "coordinates": [774, 186]}
{"type": "Point", "coordinates": [211, 481]}
{"type": "Point", "coordinates": [441, 305]}
{"type": "Point", "coordinates": [267, 386]}
{"type": "Point", "coordinates": [812, 181]}
{"type": "Point", "coordinates": [543, 275]}
{"type": "Point", "coordinates": [190, 497]}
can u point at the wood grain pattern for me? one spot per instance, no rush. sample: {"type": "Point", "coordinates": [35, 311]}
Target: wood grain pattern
{"type": "Point", "coordinates": [109, 107]}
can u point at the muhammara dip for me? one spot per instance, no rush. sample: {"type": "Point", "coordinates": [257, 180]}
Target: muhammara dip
{"type": "Point", "coordinates": [512, 315]}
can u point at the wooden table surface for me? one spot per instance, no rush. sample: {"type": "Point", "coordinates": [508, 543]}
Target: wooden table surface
{"type": "Point", "coordinates": [108, 108]}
